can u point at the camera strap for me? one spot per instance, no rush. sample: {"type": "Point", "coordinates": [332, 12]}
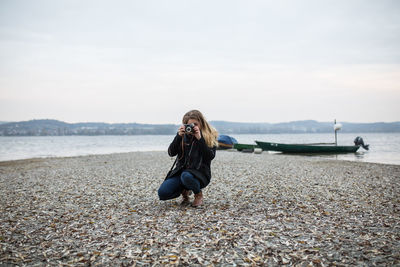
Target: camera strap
{"type": "Point", "coordinates": [173, 165]}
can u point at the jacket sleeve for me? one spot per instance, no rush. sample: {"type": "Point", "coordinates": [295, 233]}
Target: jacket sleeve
{"type": "Point", "coordinates": [173, 148]}
{"type": "Point", "coordinates": [207, 152]}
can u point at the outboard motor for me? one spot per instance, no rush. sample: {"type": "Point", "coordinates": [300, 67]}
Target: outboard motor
{"type": "Point", "coordinates": [360, 142]}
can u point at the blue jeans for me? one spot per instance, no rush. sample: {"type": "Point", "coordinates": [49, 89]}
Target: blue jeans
{"type": "Point", "coordinates": [173, 187]}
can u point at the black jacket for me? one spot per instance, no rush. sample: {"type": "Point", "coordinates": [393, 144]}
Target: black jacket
{"type": "Point", "coordinates": [195, 157]}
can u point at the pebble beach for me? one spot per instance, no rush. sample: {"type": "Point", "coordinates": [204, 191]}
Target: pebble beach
{"type": "Point", "coordinates": [259, 210]}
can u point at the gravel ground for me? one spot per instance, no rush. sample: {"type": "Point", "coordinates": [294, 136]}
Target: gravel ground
{"type": "Point", "coordinates": [265, 209]}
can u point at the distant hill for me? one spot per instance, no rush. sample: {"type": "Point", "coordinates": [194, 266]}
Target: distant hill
{"type": "Point", "coordinates": [55, 127]}
{"type": "Point", "coordinates": [308, 126]}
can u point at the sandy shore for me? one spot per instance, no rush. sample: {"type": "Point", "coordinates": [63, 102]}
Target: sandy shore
{"type": "Point", "coordinates": [259, 210]}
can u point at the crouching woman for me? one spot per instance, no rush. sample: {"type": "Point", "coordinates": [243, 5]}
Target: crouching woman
{"type": "Point", "coordinates": [195, 145]}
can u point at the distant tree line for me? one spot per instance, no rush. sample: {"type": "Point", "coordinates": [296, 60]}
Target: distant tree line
{"type": "Point", "coordinates": [59, 128]}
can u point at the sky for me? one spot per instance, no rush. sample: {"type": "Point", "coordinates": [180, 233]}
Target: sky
{"type": "Point", "coordinates": [243, 61]}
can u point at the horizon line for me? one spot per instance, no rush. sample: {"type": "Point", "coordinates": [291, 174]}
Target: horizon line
{"type": "Point", "coordinates": [228, 121]}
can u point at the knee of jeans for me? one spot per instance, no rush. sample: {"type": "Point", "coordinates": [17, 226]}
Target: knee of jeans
{"type": "Point", "coordinates": [187, 179]}
{"type": "Point", "coordinates": [162, 194]}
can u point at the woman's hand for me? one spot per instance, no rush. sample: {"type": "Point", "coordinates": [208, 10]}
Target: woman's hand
{"type": "Point", "coordinates": [181, 130]}
{"type": "Point", "coordinates": [197, 132]}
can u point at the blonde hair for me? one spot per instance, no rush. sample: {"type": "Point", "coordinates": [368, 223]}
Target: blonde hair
{"type": "Point", "coordinates": [209, 133]}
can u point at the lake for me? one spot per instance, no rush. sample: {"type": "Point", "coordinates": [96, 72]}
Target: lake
{"type": "Point", "coordinates": [384, 147]}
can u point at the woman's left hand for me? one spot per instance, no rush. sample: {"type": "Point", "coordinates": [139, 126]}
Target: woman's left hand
{"type": "Point", "coordinates": [197, 132]}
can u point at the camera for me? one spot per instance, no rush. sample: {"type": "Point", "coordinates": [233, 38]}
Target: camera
{"type": "Point", "coordinates": [189, 128]}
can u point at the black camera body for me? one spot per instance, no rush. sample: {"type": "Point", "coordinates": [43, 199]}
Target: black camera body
{"type": "Point", "coordinates": [189, 128]}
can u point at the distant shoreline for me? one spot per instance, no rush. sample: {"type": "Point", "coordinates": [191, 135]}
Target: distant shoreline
{"type": "Point", "coordinates": [172, 134]}
{"type": "Point", "coordinates": [60, 128]}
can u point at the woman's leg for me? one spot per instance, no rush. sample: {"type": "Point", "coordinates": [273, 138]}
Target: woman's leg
{"type": "Point", "coordinates": [190, 182]}
{"type": "Point", "coordinates": [170, 188]}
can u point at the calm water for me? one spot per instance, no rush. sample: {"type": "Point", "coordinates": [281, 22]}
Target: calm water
{"type": "Point", "coordinates": [384, 147]}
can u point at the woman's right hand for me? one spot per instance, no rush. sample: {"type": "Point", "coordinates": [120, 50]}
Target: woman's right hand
{"type": "Point", "coordinates": [181, 130]}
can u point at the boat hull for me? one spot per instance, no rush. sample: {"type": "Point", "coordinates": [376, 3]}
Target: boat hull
{"type": "Point", "coordinates": [304, 148]}
{"type": "Point", "coordinates": [224, 146]}
{"type": "Point", "coordinates": [244, 147]}
{"type": "Point", "coordinates": [226, 142]}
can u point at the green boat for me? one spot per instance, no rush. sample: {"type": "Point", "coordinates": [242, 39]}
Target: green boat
{"type": "Point", "coordinates": [307, 148]}
{"type": "Point", "coordinates": [245, 147]}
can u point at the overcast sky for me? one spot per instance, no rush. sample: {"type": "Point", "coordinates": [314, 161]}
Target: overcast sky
{"type": "Point", "coordinates": [247, 61]}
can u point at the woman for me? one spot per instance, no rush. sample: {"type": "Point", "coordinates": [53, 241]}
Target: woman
{"type": "Point", "coordinates": [195, 148]}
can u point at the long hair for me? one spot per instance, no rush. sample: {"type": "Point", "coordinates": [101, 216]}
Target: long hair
{"type": "Point", "coordinates": [209, 133]}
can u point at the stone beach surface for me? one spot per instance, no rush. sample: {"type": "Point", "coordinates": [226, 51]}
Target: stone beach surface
{"type": "Point", "coordinates": [259, 209]}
